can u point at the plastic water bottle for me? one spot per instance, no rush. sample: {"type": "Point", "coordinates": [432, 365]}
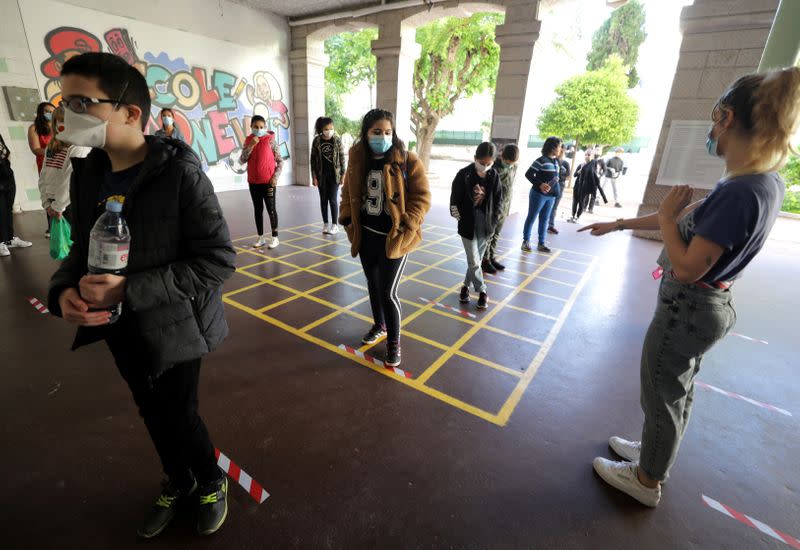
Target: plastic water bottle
{"type": "Point", "coordinates": [109, 245]}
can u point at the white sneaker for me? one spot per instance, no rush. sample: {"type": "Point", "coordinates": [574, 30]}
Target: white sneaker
{"type": "Point", "coordinates": [16, 242]}
{"type": "Point", "coordinates": [334, 229]}
{"type": "Point", "coordinates": [47, 234]}
{"type": "Point", "coordinates": [326, 230]}
{"type": "Point", "coordinates": [260, 242]}
{"type": "Point", "coordinates": [622, 476]}
{"type": "Point", "coordinates": [4, 251]}
{"type": "Point", "coordinates": [273, 243]}
{"type": "Point", "coordinates": [629, 450]}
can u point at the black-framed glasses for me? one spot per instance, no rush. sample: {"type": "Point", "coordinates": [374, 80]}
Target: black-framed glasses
{"type": "Point", "coordinates": [78, 104]}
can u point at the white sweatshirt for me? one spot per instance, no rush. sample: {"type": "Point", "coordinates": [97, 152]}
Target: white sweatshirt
{"type": "Point", "coordinates": [55, 176]}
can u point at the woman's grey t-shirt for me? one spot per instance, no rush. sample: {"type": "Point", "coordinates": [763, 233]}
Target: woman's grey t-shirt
{"type": "Point", "coordinates": [737, 215]}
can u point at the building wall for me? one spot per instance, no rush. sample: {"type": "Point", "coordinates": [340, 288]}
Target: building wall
{"type": "Point", "coordinates": [234, 62]}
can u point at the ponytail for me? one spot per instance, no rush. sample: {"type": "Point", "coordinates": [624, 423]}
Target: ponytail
{"type": "Point", "coordinates": [767, 106]}
{"type": "Point", "coordinates": [776, 114]}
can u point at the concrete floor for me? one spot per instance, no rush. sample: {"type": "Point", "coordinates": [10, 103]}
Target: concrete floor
{"type": "Point", "coordinates": [354, 457]}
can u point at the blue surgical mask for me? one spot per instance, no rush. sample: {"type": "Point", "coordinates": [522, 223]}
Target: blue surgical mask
{"type": "Point", "coordinates": [48, 116]}
{"type": "Point", "coordinates": [259, 132]}
{"type": "Point", "coordinates": [380, 144]}
{"type": "Point", "coordinates": [711, 145]}
{"type": "Point", "coordinates": [168, 120]}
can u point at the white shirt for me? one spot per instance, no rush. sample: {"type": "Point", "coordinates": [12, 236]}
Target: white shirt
{"type": "Point", "coordinates": [56, 174]}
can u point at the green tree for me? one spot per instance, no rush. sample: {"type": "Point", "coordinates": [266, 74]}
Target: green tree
{"type": "Point", "coordinates": [351, 63]}
{"type": "Point", "coordinates": [622, 34]}
{"type": "Point", "coordinates": [593, 107]}
{"type": "Point", "coordinates": [791, 175]}
{"type": "Point", "coordinates": [459, 59]}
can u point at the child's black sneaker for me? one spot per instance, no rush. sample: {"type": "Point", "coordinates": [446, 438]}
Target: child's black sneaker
{"type": "Point", "coordinates": [487, 267]}
{"type": "Point", "coordinates": [483, 301]}
{"type": "Point", "coordinates": [213, 506]}
{"type": "Point", "coordinates": [374, 334]}
{"type": "Point", "coordinates": [392, 354]}
{"type": "Point", "coordinates": [463, 297]}
{"type": "Point", "coordinates": [497, 265]}
{"type": "Point", "coordinates": [163, 511]}
{"type": "Point", "coordinates": [543, 248]}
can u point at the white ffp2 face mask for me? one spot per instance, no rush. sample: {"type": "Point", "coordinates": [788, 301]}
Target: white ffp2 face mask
{"type": "Point", "coordinates": [83, 129]}
{"type": "Point", "coordinates": [328, 134]}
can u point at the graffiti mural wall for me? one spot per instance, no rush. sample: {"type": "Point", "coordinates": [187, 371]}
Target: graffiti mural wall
{"type": "Point", "coordinates": [213, 87]}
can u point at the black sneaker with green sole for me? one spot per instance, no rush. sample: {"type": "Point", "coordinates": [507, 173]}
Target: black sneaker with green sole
{"type": "Point", "coordinates": [163, 511]}
{"type": "Point", "coordinates": [213, 506]}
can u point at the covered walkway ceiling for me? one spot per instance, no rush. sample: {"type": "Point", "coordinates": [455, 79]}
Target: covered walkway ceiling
{"type": "Point", "coordinates": [307, 8]}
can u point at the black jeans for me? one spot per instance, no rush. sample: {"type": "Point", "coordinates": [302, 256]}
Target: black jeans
{"type": "Point", "coordinates": [8, 190]}
{"type": "Point", "coordinates": [262, 194]}
{"type": "Point", "coordinates": [329, 198]}
{"type": "Point", "coordinates": [168, 405]}
{"type": "Point", "coordinates": [561, 185]}
{"type": "Point", "coordinates": [383, 277]}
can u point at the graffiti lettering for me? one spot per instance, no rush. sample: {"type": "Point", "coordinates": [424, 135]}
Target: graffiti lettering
{"type": "Point", "coordinates": [212, 112]}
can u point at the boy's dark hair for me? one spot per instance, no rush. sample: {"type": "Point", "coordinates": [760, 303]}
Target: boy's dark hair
{"type": "Point", "coordinates": [321, 123]}
{"type": "Point", "coordinates": [511, 152]}
{"type": "Point", "coordinates": [485, 149]}
{"type": "Point", "coordinates": [551, 145]}
{"type": "Point", "coordinates": [257, 118]}
{"type": "Point", "coordinates": [40, 123]}
{"type": "Point", "coordinates": [118, 79]}
{"type": "Point", "coordinates": [367, 122]}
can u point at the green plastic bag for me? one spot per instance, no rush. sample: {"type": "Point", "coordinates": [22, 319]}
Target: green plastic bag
{"type": "Point", "coordinates": [60, 238]}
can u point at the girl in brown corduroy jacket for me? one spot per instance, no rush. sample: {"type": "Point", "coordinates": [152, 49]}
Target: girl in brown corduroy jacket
{"type": "Point", "coordinates": [385, 197]}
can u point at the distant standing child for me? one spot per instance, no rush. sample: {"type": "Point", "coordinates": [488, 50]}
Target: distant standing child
{"type": "Point", "coordinates": [563, 172]}
{"type": "Point", "coordinates": [327, 170]}
{"type": "Point", "coordinates": [264, 164]}
{"type": "Point", "coordinates": [168, 128]}
{"type": "Point", "coordinates": [57, 171]}
{"type": "Point", "coordinates": [475, 199]}
{"type": "Point", "coordinates": [615, 167]}
{"type": "Point", "coordinates": [506, 168]}
{"type": "Point", "coordinates": [543, 175]}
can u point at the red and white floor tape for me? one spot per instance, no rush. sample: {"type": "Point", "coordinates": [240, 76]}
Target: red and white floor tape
{"type": "Point", "coordinates": [756, 340]}
{"type": "Point", "coordinates": [378, 362]}
{"type": "Point", "coordinates": [39, 306]}
{"type": "Point", "coordinates": [751, 522]}
{"type": "Point", "coordinates": [241, 477]}
{"type": "Point", "coordinates": [451, 308]}
{"type": "Point", "coordinates": [742, 398]}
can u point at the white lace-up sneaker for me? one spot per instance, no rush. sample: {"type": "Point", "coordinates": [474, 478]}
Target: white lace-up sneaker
{"type": "Point", "coordinates": [629, 450]}
{"type": "Point", "coordinates": [622, 476]}
{"type": "Point", "coordinates": [4, 251]}
{"type": "Point", "coordinates": [262, 240]}
{"type": "Point", "coordinates": [334, 229]}
{"type": "Point", "coordinates": [16, 242]}
{"type": "Point", "coordinates": [326, 229]}
{"type": "Point", "coordinates": [273, 243]}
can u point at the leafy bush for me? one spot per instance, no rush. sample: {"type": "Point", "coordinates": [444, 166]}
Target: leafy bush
{"type": "Point", "coordinates": [791, 175]}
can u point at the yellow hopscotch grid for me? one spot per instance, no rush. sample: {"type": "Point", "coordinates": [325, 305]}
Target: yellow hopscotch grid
{"type": "Point", "coordinates": [419, 383]}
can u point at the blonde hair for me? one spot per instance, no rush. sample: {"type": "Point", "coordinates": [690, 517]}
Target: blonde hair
{"type": "Point", "coordinates": [767, 108]}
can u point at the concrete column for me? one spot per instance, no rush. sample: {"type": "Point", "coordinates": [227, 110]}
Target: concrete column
{"type": "Point", "coordinates": [396, 51]}
{"type": "Point", "coordinates": [308, 62]}
{"type": "Point", "coordinates": [722, 40]}
{"type": "Point", "coordinates": [516, 38]}
{"type": "Point", "coordinates": [783, 44]}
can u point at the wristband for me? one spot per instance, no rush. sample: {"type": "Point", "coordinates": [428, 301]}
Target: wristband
{"type": "Point", "coordinates": [619, 226]}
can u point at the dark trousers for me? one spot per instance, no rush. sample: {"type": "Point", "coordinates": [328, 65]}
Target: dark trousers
{"type": "Point", "coordinates": [329, 198]}
{"type": "Point", "coordinates": [264, 194]}
{"type": "Point", "coordinates": [169, 406]}
{"type": "Point", "coordinates": [383, 277]}
{"type": "Point", "coordinates": [555, 205]}
{"type": "Point", "coordinates": [8, 190]}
